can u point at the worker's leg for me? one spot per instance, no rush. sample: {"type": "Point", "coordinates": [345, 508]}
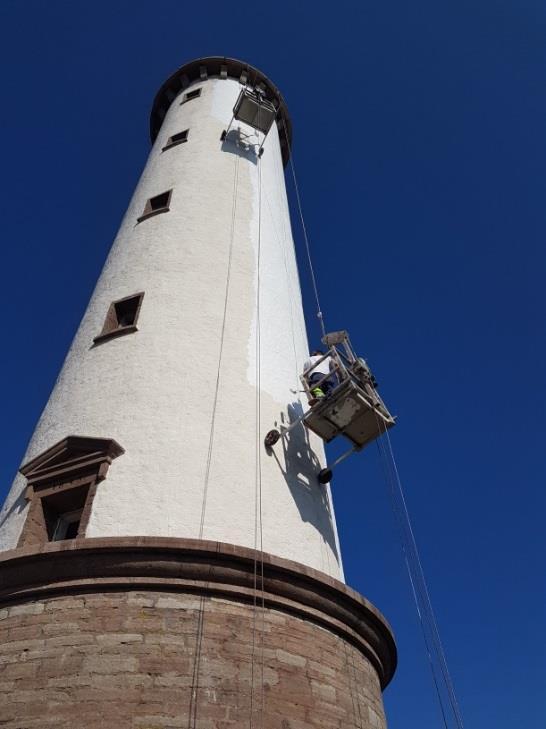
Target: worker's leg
{"type": "Point", "coordinates": [330, 384]}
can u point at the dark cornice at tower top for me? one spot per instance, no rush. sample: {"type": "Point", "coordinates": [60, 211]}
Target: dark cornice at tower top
{"type": "Point", "coordinates": [220, 67]}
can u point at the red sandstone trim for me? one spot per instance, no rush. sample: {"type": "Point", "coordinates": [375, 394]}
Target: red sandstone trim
{"type": "Point", "coordinates": [71, 463]}
{"type": "Point", "coordinates": [203, 567]}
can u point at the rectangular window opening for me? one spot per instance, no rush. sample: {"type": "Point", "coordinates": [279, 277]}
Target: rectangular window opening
{"type": "Point", "coordinates": [63, 513]}
{"type": "Point", "coordinates": [159, 201]}
{"type": "Point", "coordinates": [126, 311]}
{"type": "Point", "coordinates": [178, 138]}
{"type": "Point", "coordinates": [67, 525]}
{"type": "Point", "coordinates": [121, 317]}
{"type": "Point", "coordinates": [155, 205]}
{"type": "Point", "coordinates": [189, 95]}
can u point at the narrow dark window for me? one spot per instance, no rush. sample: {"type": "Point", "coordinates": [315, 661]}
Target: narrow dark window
{"type": "Point", "coordinates": [67, 525]}
{"type": "Point", "coordinates": [121, 317]}
{"type": "Point", "coordinates": [176, 139]}
{"type": "Point", "coordinates": [63, 513]}
{"type": "Point", "coordinates": [156, 205]}
{"type": "Point", "coordinates": [189, 95]}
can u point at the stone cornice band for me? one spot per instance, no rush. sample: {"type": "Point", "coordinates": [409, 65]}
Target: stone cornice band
{"type": "Point", "coordinates": [202, 567]}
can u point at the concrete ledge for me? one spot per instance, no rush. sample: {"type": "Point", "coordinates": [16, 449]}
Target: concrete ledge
{"type": "Point", "coordinates": [204, 568]}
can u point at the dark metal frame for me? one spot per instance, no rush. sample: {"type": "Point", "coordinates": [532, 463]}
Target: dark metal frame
{"type": "Point", "coordinates": [262, 102]}
{"type": "Point", "coordinates": [353, 375]}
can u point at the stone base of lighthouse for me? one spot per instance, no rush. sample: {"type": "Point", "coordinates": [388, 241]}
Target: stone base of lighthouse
{"type": "Point", "coordinates": [164, 633]}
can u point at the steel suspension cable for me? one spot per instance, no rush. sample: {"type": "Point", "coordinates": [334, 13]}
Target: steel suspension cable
{"type": "Point", "coordinates": [401, 531]}
{"type": "Point", "coordinates": [411, 555]}
{"type": "Point", "coordinates": [426, 596]}
{"type": "Point", "coordinates": [351, 677]}
{"type": "Point", "coordinates": [259, 447]}
{"type": "Point", "coordinates": [192, 713]}
{"type": "Point", "coordinates": [282, 246]}
{"type": "Point", "coordinates": [258, 515]}
{"type": "Point", "coordinates": [425, 613]}
{"type": "Point", "coordinates": [305, 237]}
{"type": "Point", "coordinates": [221, 349]}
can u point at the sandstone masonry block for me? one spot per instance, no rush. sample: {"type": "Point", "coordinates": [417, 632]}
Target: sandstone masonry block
{"type": "Point", "coordinates": [29, 608]}
{"type": "Point", "coordinates": [291, 659]}
{"type": "Point", "coordinates": [110, 664]}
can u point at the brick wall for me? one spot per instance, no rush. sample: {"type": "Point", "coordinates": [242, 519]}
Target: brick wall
{"type": "Point", "coordinates": [134, 659]}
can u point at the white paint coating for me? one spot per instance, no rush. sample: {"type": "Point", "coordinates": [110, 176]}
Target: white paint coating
{"type": "Point", "coordinates": [153, 391]}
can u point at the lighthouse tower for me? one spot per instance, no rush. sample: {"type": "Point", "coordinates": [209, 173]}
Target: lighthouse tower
{"type": "Point", "coordinates": [158, 566]}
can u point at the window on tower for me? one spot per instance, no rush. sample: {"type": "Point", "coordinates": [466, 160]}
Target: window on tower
{"type": "Point", "coordinates": [189, 95]}
{"type": "Point", "coordinates": [176, 139]}
{"type": "Point", "coordinates": [121, 317]}
{"type": "Point", "coordinates": [155, 205]}
{"type": "Point", "coordinates": [61, 485]}
{"type": "Point", "coordinates": [63, 513]}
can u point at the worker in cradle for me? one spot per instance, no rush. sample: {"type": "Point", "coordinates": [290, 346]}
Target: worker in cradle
{"type": "Point", "coordinates": [318, 367]}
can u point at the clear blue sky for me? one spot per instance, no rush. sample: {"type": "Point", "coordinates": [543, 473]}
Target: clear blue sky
{"type": "Point", "coordinates": [419, 139]}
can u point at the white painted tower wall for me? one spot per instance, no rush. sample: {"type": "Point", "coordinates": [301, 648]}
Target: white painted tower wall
{"type": "Point", "coordinates": [153, 391]}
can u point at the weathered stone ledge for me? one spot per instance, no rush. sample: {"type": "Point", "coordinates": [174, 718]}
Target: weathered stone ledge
{"type": "Point", "coordinates": [203, 568]}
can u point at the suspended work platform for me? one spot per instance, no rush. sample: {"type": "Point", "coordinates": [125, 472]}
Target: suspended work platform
{"type": "Point", "coordinates": [350, 411]}
{"type": "Point", "coordinates": [348, 405]}
{"type": "Point", "coordinates": [254, 109]}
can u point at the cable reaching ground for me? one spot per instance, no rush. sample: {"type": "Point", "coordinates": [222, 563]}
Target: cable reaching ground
{"type": "Point", "coordinates": [451, 714]}
{"type": "Point", "coordinates": [258, 512]}
{"type": "Point", "coordinates": [450, 710]}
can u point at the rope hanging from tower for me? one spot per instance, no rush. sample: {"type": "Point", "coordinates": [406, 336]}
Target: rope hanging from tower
{"type": "Point", "coordinates": [427, 620]}
{"type": "Point", "coordinates": [306, 239]}
{"type": "Point", "coordinates": [443, 684]}
{"type": "Point", "coordinates": [354, 380]}
{"type": "Point", "coordinates": [201, 612]}
{"type": "Point", "coordinates": [258, 513]}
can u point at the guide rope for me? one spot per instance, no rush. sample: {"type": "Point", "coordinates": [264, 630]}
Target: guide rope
{"type": "Point", "coordinates": [282, 245]}
{"type": "Point", "coordinates": [305, 237]}
{"type": "Point", "coordinates": [414, 593]}
{"type": "Point", "coordinates": [221, 350]}
{"type": "Point", "coordinates": [258, 514]}
{"type": "Point", "coordinates": [427, 619]}
{"type": "Point", "coordinates": [353, 684]}
{"type": "Point", "coordinates": [192, 713]}
{"type": "Point", "coordinates": [427, 601]}
{"type": "Point", "coordinates": [425, 613]}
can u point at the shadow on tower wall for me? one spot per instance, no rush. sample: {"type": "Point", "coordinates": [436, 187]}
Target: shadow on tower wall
{"type": "Point", "coordinates": [301, 467]}
{"type": "Point", "coordinates": [17, 507]}
{"type": "Point", "coordinates": [242, 144]}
